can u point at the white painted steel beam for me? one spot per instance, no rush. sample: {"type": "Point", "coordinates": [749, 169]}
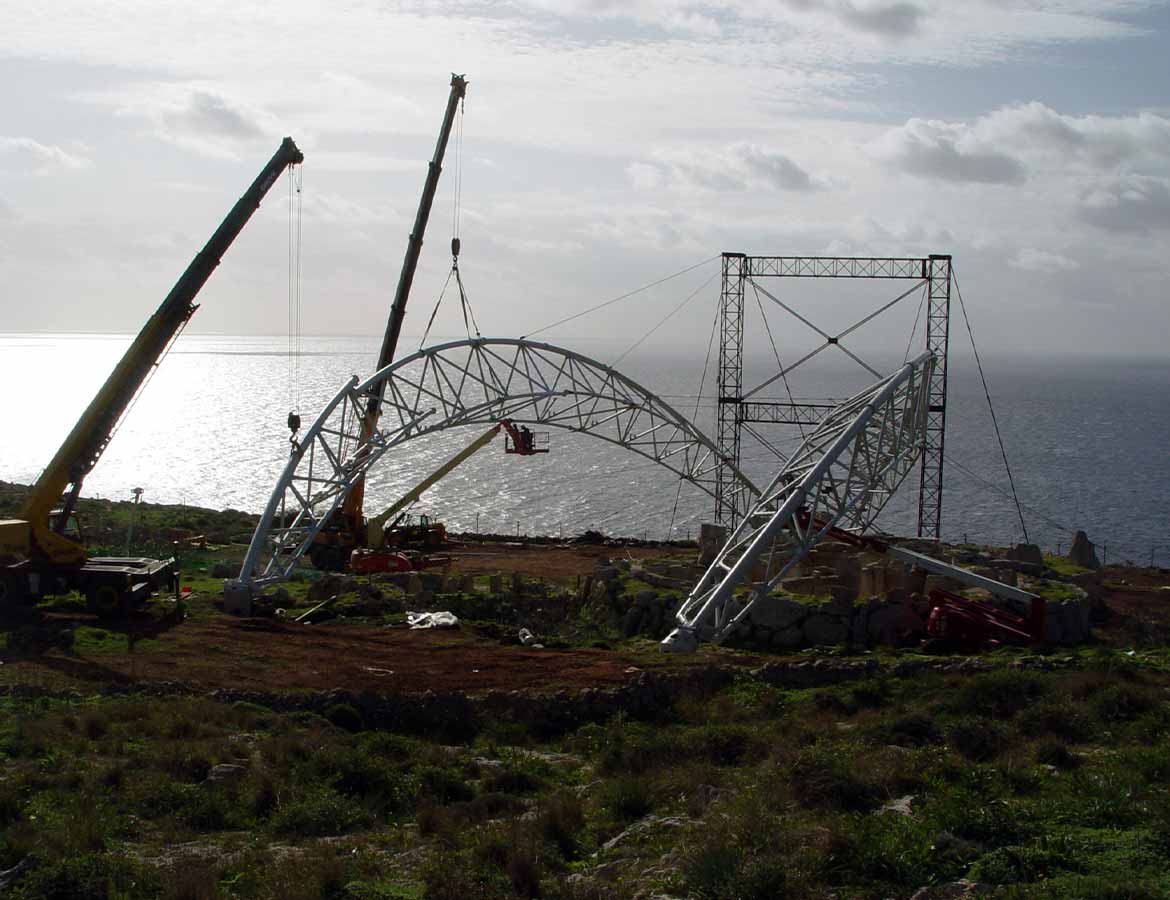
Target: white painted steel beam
{"type": "Point", "coordinates": [842, 475]}
{"type": "Point", "coordinates": [473, 382]}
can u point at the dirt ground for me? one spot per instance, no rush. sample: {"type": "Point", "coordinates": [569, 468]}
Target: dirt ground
{"type": "Point", "coordinates": [544, 560]}
{"type": "Point", "coordinates": [270, 655]}
{"type": "Point", "coordinates": [262, 654]}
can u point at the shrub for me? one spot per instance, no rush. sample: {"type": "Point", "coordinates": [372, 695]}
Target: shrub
{"type": "Point", "coordinates": [822, 778]}
{"type": "Point", "coordinates": [513, 780]}
{"type": "Point", "coordinates": [1000, 693]}
{"type": "Point", "coordinates": [721, 869]}
{"type": "Point", "coordinates": [977, 739]}
{"type": "Point", "coordinates": [345, 716]}
{"type": "Point", "coordinates": [1121, 703]}
{"type": "Point", "coordinates": [912, 730]}
{"type": "Point", "coordinates": [443, 785]}
{"type": "Point", "coordinates": [1060, 718]}
{"type": "Point", "coordinates": [524, 872]}
{"type": "Point", "coordinates": [93, 875]}
{"type": "Point", "coordinates": [627, 798]}
{"type": "Point", "coordinates": [319, 813]}
{"type": "Point", "coordinates": [560, 820]}
{"type": "Point", "coordinates": [1054, 753]}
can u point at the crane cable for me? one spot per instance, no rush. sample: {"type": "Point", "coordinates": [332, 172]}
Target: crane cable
{"type": "Point", "coordinates": [295, 220]}
{"type": "Point", "coordinates": [456, 243]}
{"type": "Point", "coordinates": [991, 407]}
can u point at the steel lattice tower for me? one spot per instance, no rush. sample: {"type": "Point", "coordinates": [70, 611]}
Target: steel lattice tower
{"type": "Point", "coordinates": [736, 407]}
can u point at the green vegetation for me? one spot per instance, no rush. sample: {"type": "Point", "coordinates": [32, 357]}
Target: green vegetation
{"type": "Point", "coordinates": [1052, 784]}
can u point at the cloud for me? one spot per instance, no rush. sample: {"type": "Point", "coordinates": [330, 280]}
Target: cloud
{"type": "Point", "coordinates": [1133, 203]}
{"type": "Point", "coordinates": [1032, 260]}
{"type": "Point", "coordinates": [947, 152]}
{"type": "Point", "coordinates": [210, 114]}
{"type": "Point", "coordinates": [25, 156]}
{"type": "Point", "coordinates": [1093, 142]}
{"type": "Point", "coordinates": [738, 167]}
{"type": "Point", "coordinates": [191, 115]}
{"type": "Point", "coordinates": [893, 20]}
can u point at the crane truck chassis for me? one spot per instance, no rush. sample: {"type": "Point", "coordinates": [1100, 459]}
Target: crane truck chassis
{"type": "Point", "coordinates": [42, 551]}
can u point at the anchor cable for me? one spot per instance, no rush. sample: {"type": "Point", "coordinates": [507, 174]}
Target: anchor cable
{"type": "Point", "coordinates": [991, 407]}
{"type": "Point", "coordinates": [617, 299]}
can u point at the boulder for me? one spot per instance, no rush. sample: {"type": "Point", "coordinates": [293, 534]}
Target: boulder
{"type": "Point", "coordinates": [711, 540]}
{"type": "Point", "coordinates": [778, 612]}
{"type": "Point", "coordinates": [820, 629]}
{"type": "Point", "coordinates": [1083, 552]}
{"type": "Point", "coordinates": [225, 772]}
{"type": "Point", "coordinates": [788, 638]}
{"type": "Point", "coordinates": [1026, 553]}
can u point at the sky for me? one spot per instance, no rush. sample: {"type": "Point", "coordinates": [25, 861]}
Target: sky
{"type": "Point", "coordinates": [604, 145]}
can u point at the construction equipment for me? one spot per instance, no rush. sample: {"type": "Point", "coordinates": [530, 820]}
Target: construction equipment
{"type": "Point", "coordinates": [42, 548]}
{"type": "Point", "coordinates": [346, 531]}
{"type": "Point", "coordinates": [393, 529]}
{"type": "Point", "coordinates": [958, 622]}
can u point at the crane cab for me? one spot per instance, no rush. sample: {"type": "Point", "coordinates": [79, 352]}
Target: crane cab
{"type": "Point", "coordinates": [65, 525]}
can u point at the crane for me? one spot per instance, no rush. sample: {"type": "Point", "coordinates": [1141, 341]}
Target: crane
{"type": "Point", "coordinates": [334, 543]}
{"type": "Point", "coordinates": [43, 546]}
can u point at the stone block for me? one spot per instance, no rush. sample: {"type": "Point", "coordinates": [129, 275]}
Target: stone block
{"type": "Point", "coordinates": [778, 612]}
{"type": "Point", "coordinates": [1026, 553]}
{"type": "Point", "coordinates": [820, 629]}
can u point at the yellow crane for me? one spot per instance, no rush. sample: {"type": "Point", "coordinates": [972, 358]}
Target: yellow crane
{"type": "Point", "coordinates": [41, 551]}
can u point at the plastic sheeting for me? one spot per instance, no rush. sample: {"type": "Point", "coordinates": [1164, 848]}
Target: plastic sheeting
{"type": "Point", "coordinates": [442, 619]}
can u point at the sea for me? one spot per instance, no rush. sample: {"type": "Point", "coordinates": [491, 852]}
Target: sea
{"type": "Point", "coordinates": [1087, 439]}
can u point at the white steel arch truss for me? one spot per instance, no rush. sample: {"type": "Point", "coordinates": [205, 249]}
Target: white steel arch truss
{"type": "Point", "coordinates": [841, 476]}
{"type": "Point", "coordinates": [478, 381]}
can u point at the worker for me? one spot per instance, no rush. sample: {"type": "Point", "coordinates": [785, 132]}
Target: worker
{"type": "Point", "coordinates": [526, 441]}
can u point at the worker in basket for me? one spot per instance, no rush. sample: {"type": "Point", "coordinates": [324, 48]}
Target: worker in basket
{"type": "Point", "coordinates": [527, 439]}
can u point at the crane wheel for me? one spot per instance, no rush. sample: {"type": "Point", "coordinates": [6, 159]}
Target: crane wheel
{"type": "Point", "coordinates": [106, 601]}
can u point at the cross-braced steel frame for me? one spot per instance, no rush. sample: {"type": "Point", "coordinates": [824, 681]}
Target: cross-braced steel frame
{"type": "Point", "coordinates": [738, 408]}
{"type": "Point", "coordinates": [479, 381]}
{"type": "Point", "coordinates": [840, 476]}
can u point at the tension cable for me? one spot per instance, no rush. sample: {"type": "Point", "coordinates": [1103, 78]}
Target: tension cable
{"type": "Point", "coordinates": [991, 408]}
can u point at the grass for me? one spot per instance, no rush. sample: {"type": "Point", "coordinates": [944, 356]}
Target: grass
{"type": "Point", "coordinates": [1030, 780]}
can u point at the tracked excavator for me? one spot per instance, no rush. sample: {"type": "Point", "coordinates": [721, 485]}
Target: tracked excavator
{"type": "Point", "coordinates": [42, 551]}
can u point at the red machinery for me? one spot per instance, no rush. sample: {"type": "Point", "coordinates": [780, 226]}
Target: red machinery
{"type": "Point", "coordinates": [524, 441]}
{"type": "Point", "coordinates": [956, 620]}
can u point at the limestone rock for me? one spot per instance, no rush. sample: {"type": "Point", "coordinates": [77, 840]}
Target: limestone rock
{"type": "Point", "coordinates": [778, 612]}
{"type": "Point", "coordinates": [1026, 553]}
{"type": "Point", "coordinates": [1083, 552]}
{"type": "Point", "coordinates": [225, 772]}
{"type": "Point", "coordinates": [820, 629]}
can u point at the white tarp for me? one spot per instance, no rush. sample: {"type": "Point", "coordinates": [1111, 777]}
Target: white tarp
{"type": "Point", "coordinates": [441, 619]}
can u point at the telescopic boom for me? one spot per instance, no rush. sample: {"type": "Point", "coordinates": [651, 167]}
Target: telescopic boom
{"type": "Point", "coordinates": [92, 433]}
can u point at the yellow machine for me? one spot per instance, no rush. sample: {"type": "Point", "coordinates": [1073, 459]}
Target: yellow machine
{"type": "Point", "coordinates": [41, 551]}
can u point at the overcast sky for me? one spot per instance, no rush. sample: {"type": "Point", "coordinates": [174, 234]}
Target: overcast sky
{"type": "Point", "coordinates": [605, 144]}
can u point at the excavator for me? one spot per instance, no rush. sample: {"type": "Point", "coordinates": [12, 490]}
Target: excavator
{"type": "Point", "coordinates": [42, 551]}
{"type": "Point", "coordinates": [392, 540]}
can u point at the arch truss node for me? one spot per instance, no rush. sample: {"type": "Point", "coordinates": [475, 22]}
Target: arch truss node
{"type": "Point", "coordinates": [842, 475]}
